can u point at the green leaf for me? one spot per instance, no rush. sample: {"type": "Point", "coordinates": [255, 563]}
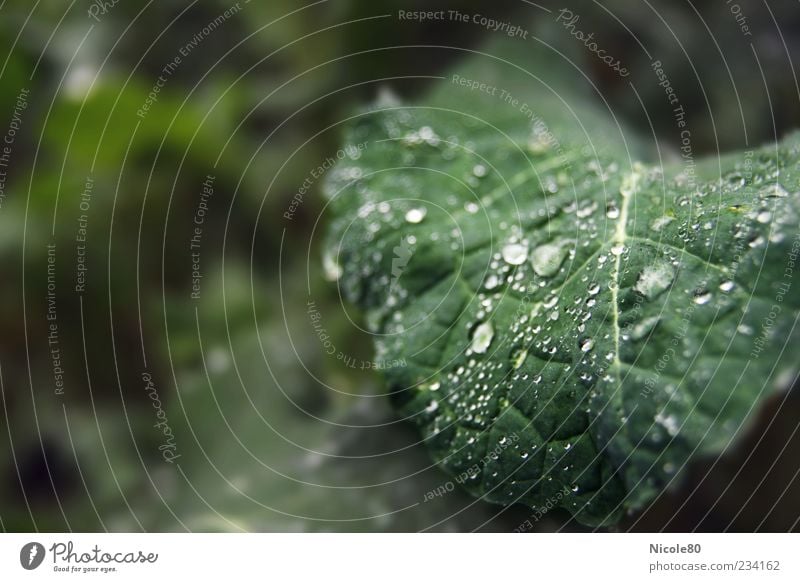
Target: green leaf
{"type": "Point", "coordinates": [579, 322]}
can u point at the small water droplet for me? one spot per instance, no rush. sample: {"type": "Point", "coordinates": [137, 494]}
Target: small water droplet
{"type": "Point", "coordinates": [736, 180]}
{"type": "Point", "coordinates": [518, 358]}
{"type": "Point", "coordinates": [644, 327]}
{"type": "Point", "coordinates": [332, 269]}
{"type": "Point", "coordinates": [427, 135]}
{"type": "Point", "coordinates": [726, 286]}
{"type": "Point", "coordinates": [660, 222]}
{"type": "Point", "coordinates": [701, 296]}
{"type": "Point", "coordinates": [654, 280]}
{"type": "Point", "coordinates": [479, 171]}
{"type": "Point", "coordinates": [670, 423]}
{"type": "Point", "coordinates": [586, 344]}
{"type": "Point", "coordinates": [482, 337]}
{"type": "Point", "coordinates": [416, 215]}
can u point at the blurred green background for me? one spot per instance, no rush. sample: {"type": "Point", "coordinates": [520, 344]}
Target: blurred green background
{"type": "Point", "coordinates": [268, 431]}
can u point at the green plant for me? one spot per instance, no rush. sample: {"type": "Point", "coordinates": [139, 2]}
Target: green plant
{"type": "Point", "coordinates": [577, 315]}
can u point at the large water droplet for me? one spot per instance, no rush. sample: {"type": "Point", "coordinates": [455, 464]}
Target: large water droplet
{"type": "Point", "coordinates": [774, 191]}
{"type": "Point", "coordinates": [482, 337]}
{"type": "Point", "coordinates": [586, 344]}
{"type": "Point", "coordinates": [547, 258]}
{"type": "Point", "coordinates": [764, 216]}
{"type": "Point", "coordinates": [654, 280]}
{"type": "Point", "coordinates": [515, 253]}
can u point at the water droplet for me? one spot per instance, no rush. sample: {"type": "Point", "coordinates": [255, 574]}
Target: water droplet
{"type": "Point", "coordinates": [612, 210]}
{"type": "Point", "coordinates": [427, 135]}
{"type": "Point", "coordinates": [654, 280]}
{"type": "Point", "coordinates": [660, 222]}
{"type": "Point", "coordinates": [415, 215]}
{"type": "Point", "coordinates": [586, 344]}
{"type": "Point", "coordinates": [518, 358]}
{"type": "Point", "coordinates": [764, 216]}
{"type": "Point", "coordinates": [593, 289]}
{"type": "Point", "coordinates": [774, 191]}
{"type": "Point", "coordinates": [492, 281]}
{"type": "Point", "coordinates": [547, 258]}
{"type": "Point", "coordinates": [670, 423]}
{"type": "Point", "coordinates": [218, 360]}
{"type": "Point", "coordinates": [482, 337]}
{"type": "Point", "coordinates": [736, 180]}
{"type": "Point", "coordinates": [539, 144]}
{"type": "Point", "coordinates": [432, 407]}
{"type": "Point", "coordinates": [479, 171]}
{"type": "Point", "coordinates": [332, 269]}
{"type": "Point", "coordinates": [701, 296]}
{"type": "Point", "coordinates": [644, 327]}
{"type": "Point", "coordinates": [471, 207]}
{"type": "Point", "coordinates": [726, 286]}
{"type": "Point", "coordinates": [617, 250]}
{"type": "Point", "coordinates": [515, 253]}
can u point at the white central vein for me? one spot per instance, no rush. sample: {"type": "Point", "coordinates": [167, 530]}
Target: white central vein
{"type": "Point", "coordinates": [628, 188]}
